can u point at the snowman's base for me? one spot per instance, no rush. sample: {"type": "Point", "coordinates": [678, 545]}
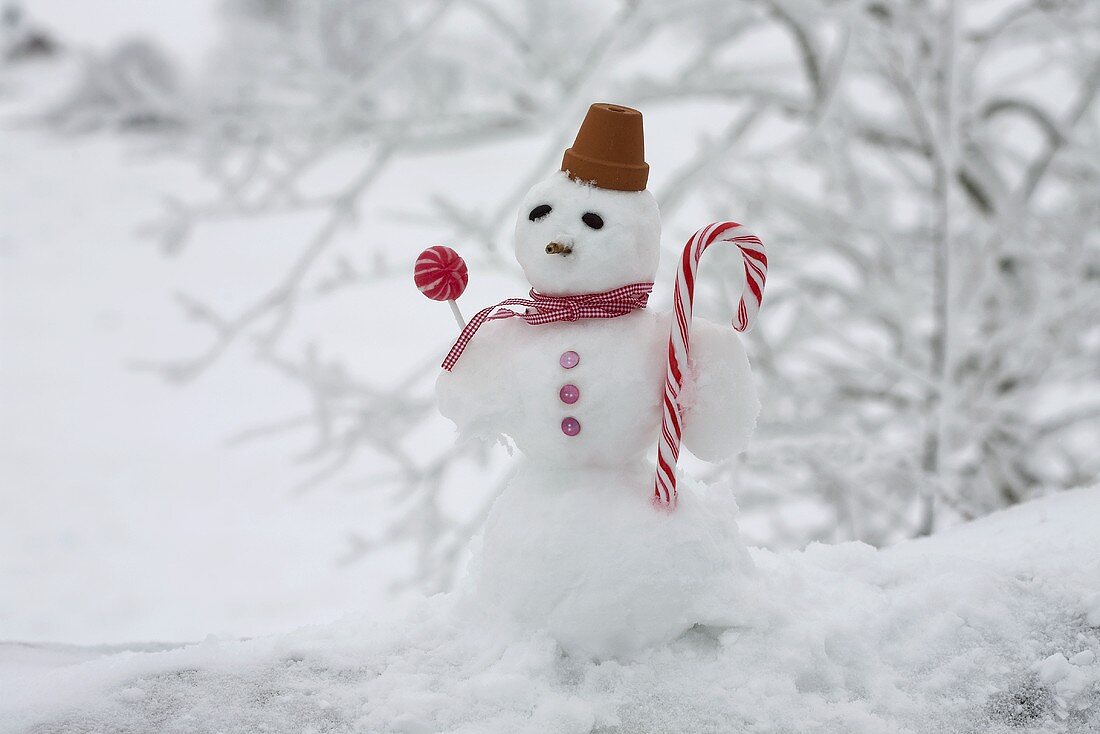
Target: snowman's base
{"type": "Point", "coordinates": [583, 554]}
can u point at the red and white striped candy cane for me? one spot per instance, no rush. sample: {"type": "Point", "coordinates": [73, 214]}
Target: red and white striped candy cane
{"type": "Point", "coordinates": [756, 271]}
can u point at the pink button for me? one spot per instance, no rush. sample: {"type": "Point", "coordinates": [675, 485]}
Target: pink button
{"type": "Point", "coordinates": [569, 359]}
{"type": "Point", "coordinates": [570, 426]}
{"type": "Point", "coordinates": [569, 394]}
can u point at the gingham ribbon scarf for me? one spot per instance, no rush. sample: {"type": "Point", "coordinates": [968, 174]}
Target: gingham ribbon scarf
{"type": "Point", "coordinates": [541, 309]}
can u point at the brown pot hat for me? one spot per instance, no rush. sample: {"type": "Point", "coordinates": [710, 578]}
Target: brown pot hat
{"type": "Point", "coordinates": [609, 151]}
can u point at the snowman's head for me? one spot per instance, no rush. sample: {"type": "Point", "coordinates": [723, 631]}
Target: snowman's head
{"type": "Point", "coordinates": [572, 237]}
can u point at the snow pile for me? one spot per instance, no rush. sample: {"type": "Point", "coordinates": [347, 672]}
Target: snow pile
{"type": "Point", "coordinates": [989, 627]}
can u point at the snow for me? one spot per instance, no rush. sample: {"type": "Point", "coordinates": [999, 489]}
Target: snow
{"type": "Point", "coordinates": [981, 629]}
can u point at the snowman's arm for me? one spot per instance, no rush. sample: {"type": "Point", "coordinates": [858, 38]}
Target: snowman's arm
{"type": "Point", "coordinates": [718, 399]}
{"type": "Point", "coordinates": [473, 393]}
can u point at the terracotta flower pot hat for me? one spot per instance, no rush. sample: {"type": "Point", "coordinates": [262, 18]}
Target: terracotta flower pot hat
{"type": "Point", "coordinates": [609, 151]}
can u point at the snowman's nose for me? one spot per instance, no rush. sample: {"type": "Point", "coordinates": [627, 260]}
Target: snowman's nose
{"type": "Point", "coordinates": [558, 248]}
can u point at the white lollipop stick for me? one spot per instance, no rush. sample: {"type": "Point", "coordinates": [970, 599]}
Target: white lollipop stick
{"type": "Point", "coordinates": [458, 314]}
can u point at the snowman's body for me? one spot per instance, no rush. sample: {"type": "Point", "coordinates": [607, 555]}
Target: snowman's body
{"type": "Point", "coordinates": [588, 394]}
{"type": "Point", "coordinates": [521, 395]}
{"type": "Point", "coordinates": [574, 545]}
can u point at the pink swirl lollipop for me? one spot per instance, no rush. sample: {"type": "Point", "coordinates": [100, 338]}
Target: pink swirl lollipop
{"type": "Point", "coordinates": [441, 275]}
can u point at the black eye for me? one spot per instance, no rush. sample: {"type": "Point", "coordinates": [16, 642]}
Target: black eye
{"type": "Point", "coordinates": [595, 221]}
{"type": "Point", "coordinates": [539, 212]}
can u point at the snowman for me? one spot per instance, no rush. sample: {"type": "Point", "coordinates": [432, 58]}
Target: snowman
{"type": "Point", "coordinates": [575, 377]}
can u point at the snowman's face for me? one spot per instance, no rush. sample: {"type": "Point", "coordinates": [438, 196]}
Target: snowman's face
{"type": "Point", "coordinates": [574, 238]}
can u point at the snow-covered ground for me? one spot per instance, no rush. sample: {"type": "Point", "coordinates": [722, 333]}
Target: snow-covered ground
{"type": "Point", "coordinates": [989, 627]}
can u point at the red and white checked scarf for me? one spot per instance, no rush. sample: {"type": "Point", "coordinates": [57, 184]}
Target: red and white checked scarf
{"type": "Point", "coordinates": [541, 309]}
{"type": "Point", "coordinates": [756, 270]}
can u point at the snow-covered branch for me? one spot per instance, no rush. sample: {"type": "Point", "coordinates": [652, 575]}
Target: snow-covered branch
{"type": "Point", "coordinates": [926, 190]}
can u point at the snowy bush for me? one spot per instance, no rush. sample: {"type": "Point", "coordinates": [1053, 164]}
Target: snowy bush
{"type": "Point", "coordinates": [21, 39]}
{"type": "Point", "coordinates": [924, 173]}
{"type": "Point", "coordinates": [133, 87]}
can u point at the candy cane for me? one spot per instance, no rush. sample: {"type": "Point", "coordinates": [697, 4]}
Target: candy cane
{"type": "Point", "coordinates": [756, 270]}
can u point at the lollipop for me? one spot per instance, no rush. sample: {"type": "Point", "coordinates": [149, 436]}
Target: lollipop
{"type": "Point", "coordinates": [441, 275]}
